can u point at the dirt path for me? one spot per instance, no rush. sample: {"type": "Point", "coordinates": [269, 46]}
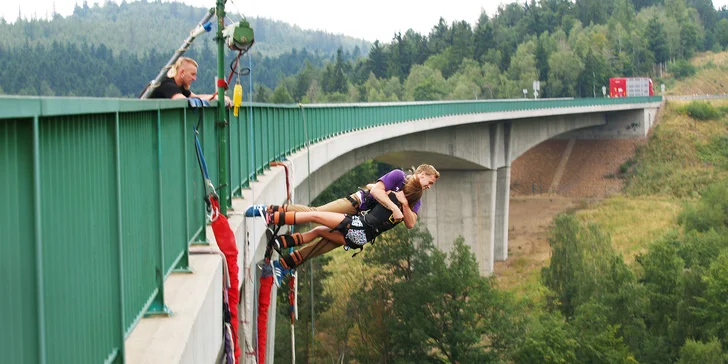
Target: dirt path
{"type": "Point", "coordinates": [588, 176]}
{"type": "Point", "coordinates": [528, 227]}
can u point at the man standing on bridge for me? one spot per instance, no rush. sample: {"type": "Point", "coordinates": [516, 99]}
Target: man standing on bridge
{"type": "Point", "coordinates": [176, 85]}
{"type": "Point", "coordinates": [362, 200]}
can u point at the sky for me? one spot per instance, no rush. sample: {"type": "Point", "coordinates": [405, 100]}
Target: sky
{"type": "Point", "coordinates": [370, 19]}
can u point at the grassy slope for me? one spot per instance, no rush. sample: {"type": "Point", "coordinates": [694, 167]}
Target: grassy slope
{"type": "Point", "coordinates": [711, 77]}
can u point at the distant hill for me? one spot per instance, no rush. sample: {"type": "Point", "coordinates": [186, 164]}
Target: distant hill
{"type": "Point", "coordinates": [137, 27]}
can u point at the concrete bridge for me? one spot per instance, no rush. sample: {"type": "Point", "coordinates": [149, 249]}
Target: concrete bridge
{"type": "Point", "coordinates": [109, 194]}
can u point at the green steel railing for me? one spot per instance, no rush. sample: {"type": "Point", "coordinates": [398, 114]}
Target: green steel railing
{"type": "Point", "coordinates": [102, 198]}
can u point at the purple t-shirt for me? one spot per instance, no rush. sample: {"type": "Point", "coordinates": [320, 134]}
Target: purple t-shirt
{"type": "Point", "coordinates": [393, 181]}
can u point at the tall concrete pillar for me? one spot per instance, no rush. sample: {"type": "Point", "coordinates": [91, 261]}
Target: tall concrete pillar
{"type": "Point", "coordinates": [463, 203]}
{"type": "Point", "coordinates": [502, 203]}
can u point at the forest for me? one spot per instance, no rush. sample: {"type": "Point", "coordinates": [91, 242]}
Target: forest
{"type": "Point", "coordinates": [572, 48]}
{"type": "Point", "coordinates": [116, 50]}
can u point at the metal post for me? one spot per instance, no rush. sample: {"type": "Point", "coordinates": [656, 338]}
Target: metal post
{"type": "Point", "coordinates": [39, 281]}
{"type": "Point", "coordinates": [221, 121]}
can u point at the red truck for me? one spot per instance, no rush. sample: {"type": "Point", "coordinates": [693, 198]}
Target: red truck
{"type": "Point", "coordinates": [630, 86]}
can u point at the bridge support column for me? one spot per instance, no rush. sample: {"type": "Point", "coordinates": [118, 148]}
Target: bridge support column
{"type": "Point", "coordinates": [463, 203]}
{"type": "Point", "coordinates": [502, 203]}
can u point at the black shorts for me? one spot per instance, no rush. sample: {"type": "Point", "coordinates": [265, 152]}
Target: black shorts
{"type": "Point", "coordinates": [356, 234]}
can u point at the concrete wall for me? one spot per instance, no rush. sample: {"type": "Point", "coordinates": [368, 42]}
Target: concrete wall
{"type": "Point", "coordinates": [619, 125]}
{"type": "Point", "coordinates": [528, 133]}
{"type": "Point", "coordinates": [462, 203]}
{"type": "Point", "coordinates": [193, 332]}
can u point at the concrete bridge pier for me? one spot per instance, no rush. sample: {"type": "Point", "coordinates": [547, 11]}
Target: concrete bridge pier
{"type": "Point", "coordinates": [471, 204]}
{"type": "Point", "coordinates": [502, 204]}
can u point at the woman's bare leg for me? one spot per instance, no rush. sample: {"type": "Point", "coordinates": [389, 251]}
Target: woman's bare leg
{"type": "Point", "coordinates": [329, 240]}
{"type": "Point", "coordinates": [328, 219]}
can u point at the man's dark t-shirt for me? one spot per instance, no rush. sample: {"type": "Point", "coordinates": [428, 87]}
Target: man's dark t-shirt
{"type": "Point", "coordinates": [168, 88]}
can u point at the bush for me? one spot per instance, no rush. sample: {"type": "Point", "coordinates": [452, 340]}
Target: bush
{"type": "Point", "coordinates": [624, 167]}
{"type": "Point", "coordinates": [715, 152]}
{"type": "Point", "coordinates": [701, 110]}
{"type": "Point", "coordinates": [682, 69]}
{"type": "Point", "coordinates": [711, 212]}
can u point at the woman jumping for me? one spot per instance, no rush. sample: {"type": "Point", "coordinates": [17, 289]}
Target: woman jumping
{"type": "Point", "coordinates": [351, 231]}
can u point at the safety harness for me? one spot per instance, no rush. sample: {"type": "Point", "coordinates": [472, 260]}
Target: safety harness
{"type": "Point", "coordinates": [376, 221]}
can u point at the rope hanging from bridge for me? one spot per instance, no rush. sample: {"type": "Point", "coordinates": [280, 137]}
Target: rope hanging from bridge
{"type": "Point", "coordinates": [266, 282]}
{"type": "Point", "coordinates": [225, 239]}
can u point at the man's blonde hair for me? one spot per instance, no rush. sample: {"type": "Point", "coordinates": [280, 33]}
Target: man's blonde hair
{"type": "Point", "coordinates": [177, 64]}
{"type": "Point", "coordinates": [428, 169]}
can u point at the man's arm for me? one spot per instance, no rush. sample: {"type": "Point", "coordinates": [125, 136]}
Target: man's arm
{"type": "Point", "coordinates": [410, 217]}
{"type": "Point", "coordinates": [208, 97]}
{"type": "Point", "coordinates": [380, 194]}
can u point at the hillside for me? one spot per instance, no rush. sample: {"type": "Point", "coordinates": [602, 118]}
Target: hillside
{"type": "Point", "coordinates": [635, 196]}
{"type": "Point", "coordinates": [139, 26]}
{"type": "Point", "coordinates": [710, 78]}
{"type": "Point", "coordinates": [114, 51]}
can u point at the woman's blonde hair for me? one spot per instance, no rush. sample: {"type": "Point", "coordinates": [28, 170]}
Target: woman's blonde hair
{"type": "Point", "coordinates": [412, 191]}
{"type": "Point", "coordinates": [177, 64]}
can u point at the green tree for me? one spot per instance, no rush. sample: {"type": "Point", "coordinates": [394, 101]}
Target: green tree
{"type": "Point", "coordinates": [689, 39]}
{"type": "Point", "coordinates": [377, 62]}
{"type": "Point", "coordinates": [482, 36]}
{"type": "Point", "coordinates": [400, 57]}
{"type": "Point", "coordinates": [542, 57]}
{"type": "Point", "coordinates": [314, 93]}
{"type": "Point", "coordinates": [624, 13]}
{"type": "Point", "coordinates": [721, 32]}
{"type": "Point", "coordinates": [599, 340]}
{"type": "Point", "coordinates": [441, 307]}
{"type": "Point", "coordinates": [462, 45]}
{"type": "Point", "coordinates": [594, 75]}
{"type": "Point", "coordinates": [657, 40]}
{"type": "Point", "coordinates": [676, 9]}
{"type": "Point", "coordinates": [392, 88]}
{"type": "Point", "coordinates": [491, 80]}
{"type": "Point", "coordinates": [281, 95]}
{"type": "Point", "coordinates": [711, 212]}
{"type": "Point", "coordinates": [592, 11]}
{"type": "Point", "coordinates": [710, 352]}
{"type": "Point", "coordinates": [424, 83]}
{"type": "Point", "coordinates": [706, 11]}
{"type": "Point", "coordinates": [716, 300]}
{"type": "Point", "coordinates": [523, 69]}
{"type": "Point", "coordinates": [439, 37]}
{"type": "Point", "coordinates": [578, 263]}
{"type": "Point", "coordinates": [334, 77]}
{"type": "Point", "coordinates": [261, 94]}
{"type": "Point", "coordinates": [564, 70]}
{"type": "Point", "coordinates": [303, 81]}
{"type": "Point", "coordinates": [548, 340]}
